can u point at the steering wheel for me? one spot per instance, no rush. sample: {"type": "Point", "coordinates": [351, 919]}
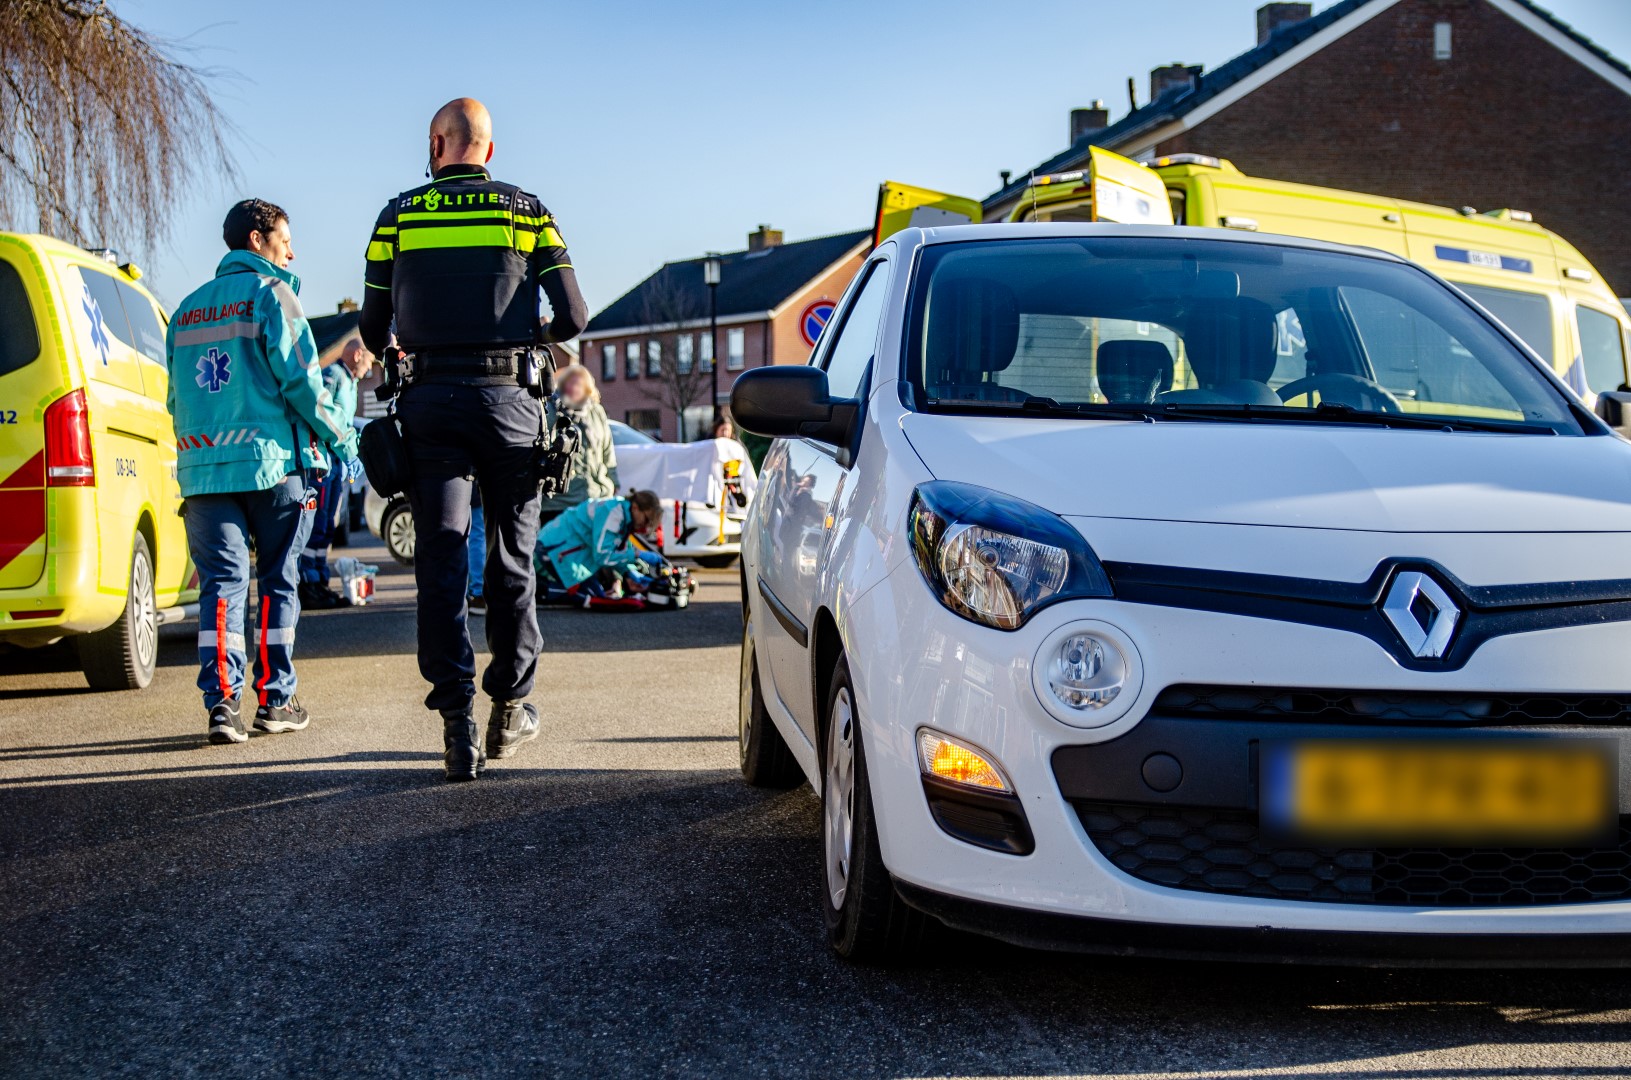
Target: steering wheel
{"type": "Point", "coordinates": [1353, 390]}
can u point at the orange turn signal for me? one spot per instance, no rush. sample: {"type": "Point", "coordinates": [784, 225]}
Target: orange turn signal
{"type": "Point", "coordinates": [947, 759]}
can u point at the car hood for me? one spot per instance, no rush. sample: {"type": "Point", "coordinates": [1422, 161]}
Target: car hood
{"type": "Point", "coordinates": [1299, 476]}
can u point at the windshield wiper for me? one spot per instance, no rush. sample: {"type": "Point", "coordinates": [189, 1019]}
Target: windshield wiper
{"type": "Point", "coordinates": [1333, 412]}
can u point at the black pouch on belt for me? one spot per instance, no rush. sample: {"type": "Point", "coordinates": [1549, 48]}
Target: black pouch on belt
{"type": "Point", "coordinates": [384, 454]}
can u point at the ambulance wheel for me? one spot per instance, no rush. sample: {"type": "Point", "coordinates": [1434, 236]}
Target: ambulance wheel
{"type": "Point", "coordinates": [397, 528]}
{"type": "Point", "coordinates": [766, 760]}
{"type": "Point", "coordinates": [123, 656]}
{"type": "Point", "coordinates": [715, 562]}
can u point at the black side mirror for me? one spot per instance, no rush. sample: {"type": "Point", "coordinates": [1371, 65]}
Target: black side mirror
{"type": "Point", "coordinates": [1614, 406]}
{"type": "Point", "coordinates": [793, 402]}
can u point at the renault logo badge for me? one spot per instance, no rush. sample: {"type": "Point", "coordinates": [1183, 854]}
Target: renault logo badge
{"type": "Point", "coordinates": [1422, 612]}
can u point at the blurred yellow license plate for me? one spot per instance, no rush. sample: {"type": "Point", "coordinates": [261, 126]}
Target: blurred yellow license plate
{"type": "Point", "coordinates": [1507, 791]}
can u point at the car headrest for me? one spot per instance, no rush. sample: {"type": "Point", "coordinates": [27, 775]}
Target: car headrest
{"type": "Point", "coordinates": [1230, 339]}
{"type": "Point", "coordinates": [973, 330]}
{"type": "Point", "coordinates": [1134, 371]}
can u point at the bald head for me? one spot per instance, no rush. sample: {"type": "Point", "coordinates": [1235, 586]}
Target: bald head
{"type": "Point", "coordinates": [461, 133]}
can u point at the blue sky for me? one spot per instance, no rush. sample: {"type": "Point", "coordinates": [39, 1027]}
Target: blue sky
{"type": "Point", "coordinates": [658, 130]}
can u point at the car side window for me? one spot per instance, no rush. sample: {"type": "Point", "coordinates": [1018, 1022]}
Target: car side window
{"type": "Point", "coordinates": [1602, 349]}
{"type": "Point", "coordinates": [857, 339]}
{"type": "Point", "coordinates": [101, 302]}
{"type": "Point", "coordinates": [144, 323]}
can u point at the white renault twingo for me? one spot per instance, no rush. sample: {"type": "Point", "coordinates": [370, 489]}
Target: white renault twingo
{"type": "Point", "coordinates": [1142, 588]}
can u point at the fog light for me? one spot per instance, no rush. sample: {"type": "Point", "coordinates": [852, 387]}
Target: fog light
{"type": "Point", "coordinates": [955, 762]}
{"type": "Point", "coordinates": [1086, 672]}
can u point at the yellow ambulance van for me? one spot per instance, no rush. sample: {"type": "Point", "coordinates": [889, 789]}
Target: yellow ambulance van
{"type": "Point", "coordinates": [92, 545]}
{"type": "Point", "coordinates": [1531, 279]}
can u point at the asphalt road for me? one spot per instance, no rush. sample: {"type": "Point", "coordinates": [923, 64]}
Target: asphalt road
{"type": "Point", "coordinates": [612, 901]}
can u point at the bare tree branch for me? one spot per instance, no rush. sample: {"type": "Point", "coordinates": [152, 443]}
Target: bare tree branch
{"type": "Point", "coordinates": [103, 128]}
{"type": "Point", "coordinates": [667, 306]}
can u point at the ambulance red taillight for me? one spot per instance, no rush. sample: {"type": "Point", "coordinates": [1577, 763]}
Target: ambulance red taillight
{"type": "Point", "coordinates": [68, 461]}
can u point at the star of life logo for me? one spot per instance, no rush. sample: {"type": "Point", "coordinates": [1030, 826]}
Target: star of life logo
{"type": "Point", "coordinates": [214, 370]}
{"type": "Point", "coordinates": [99, 326]}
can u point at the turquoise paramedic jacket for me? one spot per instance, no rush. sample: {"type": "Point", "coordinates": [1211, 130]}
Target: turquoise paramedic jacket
{"type": "Point", "coordinates": [245, 389]}
{"type": "Point", "coordinates": [342, 386]}
{"type": "Point", "coordinates": [589, 536]}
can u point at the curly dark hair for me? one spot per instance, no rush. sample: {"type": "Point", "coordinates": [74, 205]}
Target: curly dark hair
{"type": "Point", "coordinates": [251, 215]}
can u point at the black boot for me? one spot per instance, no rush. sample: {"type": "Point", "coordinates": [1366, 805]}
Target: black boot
{"type": "Point", "coordinates": [463, 756]}
{"type": "Point", "coordinates": [511, 724]}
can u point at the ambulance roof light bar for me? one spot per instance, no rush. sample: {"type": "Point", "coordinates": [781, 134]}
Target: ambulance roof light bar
{"type": "Point", "coordinates": [1206, 160]}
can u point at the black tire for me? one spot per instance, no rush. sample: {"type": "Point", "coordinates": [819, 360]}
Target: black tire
{"type": "Point", "coordinates": [766, 761]}
{"type": "Point", "coordinates": [123, 656]}
{"type": "Point", "coordinates": [397, 529]}
{"type": "Point", "coordinates": [715, 562]}
{"type": "Point", "coordinates": [869, 923]}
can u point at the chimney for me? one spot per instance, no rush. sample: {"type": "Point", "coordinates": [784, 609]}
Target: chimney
{"type": "Point", "coordinates": [1271, 17]}
{"type": "Point", "coordinates": [764, 237]}
{"type": "Point", "coordinates": [1174, 78]}
{"type": "Point", "coordinates": [346, 306]}
{"type": "Point", "coordinates": [1086, 121]}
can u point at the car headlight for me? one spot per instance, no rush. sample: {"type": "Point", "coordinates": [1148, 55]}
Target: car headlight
{"type": "Point", "coordinates": [995, 559]}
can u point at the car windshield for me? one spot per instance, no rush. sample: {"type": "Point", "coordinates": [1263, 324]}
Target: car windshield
{"type": "Point", "coordinates": [1182, 328]}
{"type": "Point", "coordinates": [623, 435]}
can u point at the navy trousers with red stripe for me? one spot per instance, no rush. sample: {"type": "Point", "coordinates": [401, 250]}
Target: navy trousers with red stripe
{"type": "Point", "coordinates": [220, 529]}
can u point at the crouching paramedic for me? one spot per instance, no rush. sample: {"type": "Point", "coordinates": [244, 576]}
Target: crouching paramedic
{"type": "Point", "coordinates": [255, 429]}
{"type": "Point", "coordinates": [594, 536]}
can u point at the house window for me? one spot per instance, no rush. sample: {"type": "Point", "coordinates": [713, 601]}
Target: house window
{"type": "Point", "coordinates": [695, 423]}
{"type": "Point", "coordinates": [1441, 41]}
{"type": "Point", "coordinates": [633, 365]}
{"type": "Point", "coordinates": [649, 421]}
{"type": "Point", "coordinates": [705, 354]}
{"type": "Point", "coordinates": [736, 344]}
{"type": "Point", "coordinates": [608, 362]}
{"type": "Point", "coordinates": [683, 355]}
{"type": "Point", "coordinates": [654, 357]}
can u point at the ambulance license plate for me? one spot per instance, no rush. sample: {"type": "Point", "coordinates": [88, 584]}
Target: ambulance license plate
{"type": "Point", "coordinates": [1507, 792]}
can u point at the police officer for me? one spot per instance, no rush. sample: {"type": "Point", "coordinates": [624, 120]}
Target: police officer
{"type": "Point", "coordinates": [256, 431]}
{"type": "Point", "coordinates": [458, 264]}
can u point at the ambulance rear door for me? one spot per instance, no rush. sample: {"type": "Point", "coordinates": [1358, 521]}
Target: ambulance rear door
{"type": "Point", "coordinates": [1111, 188]}
{"type": "Point", "coordinates": [902, 206]}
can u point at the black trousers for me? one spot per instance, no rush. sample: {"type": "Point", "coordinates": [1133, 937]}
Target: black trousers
{"type": "Point", "coordinates": [460, 433]}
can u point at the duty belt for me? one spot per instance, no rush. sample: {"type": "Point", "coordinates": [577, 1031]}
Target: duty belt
{"type": "Point", "coordinates": [435, 363]}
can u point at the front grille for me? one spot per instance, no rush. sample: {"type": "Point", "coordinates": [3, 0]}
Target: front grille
{"type": "Point", "coordinates": [1222, 851]}
{"type": "Point", "coordinates": [1392, 706]}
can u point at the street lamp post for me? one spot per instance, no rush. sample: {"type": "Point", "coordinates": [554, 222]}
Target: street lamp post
{"type": "Point", "coordinates": [710, 277]}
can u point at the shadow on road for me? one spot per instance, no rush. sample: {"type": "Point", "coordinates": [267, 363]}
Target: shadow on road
{"type": "Point", "coordinates": [597, 922]}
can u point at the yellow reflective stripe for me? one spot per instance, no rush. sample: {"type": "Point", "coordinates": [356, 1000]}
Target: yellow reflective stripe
{"type": "Point", "coordinates": [525, 241]}
{"type": "Point", "coordinates": [371, 285]}
{"type": "Point", "coordinates": [557, 266]}
{"type": "Point", "coordinates": [550, 238]}
{"type": "Point", "coordinates": [385, 230]}
{"type": "Point", "coordinates": [380, 252]}
{"type": "Point", "coordinates": [457, 236]}
{"type": "Point", "coordinates": [446, 215]}
{"type": "Point", "coordinates": [523, 219]}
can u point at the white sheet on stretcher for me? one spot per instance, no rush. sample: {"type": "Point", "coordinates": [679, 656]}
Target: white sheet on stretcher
{"type": "Point", "coordinates": [694, 471]}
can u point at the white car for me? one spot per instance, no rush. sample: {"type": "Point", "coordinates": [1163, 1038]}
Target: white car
{"type": "Point", "coordinates": [392, 521]}
{"type": "Point", "coordinates": [1165, 589]}
{"type": "Point", "coordinates": [706, 485]}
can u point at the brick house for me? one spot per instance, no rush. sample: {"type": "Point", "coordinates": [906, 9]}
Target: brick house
{"type": "Point", "coordinates": [650, 348]}
{"type": "Point", "coordinates": [1483, 103]}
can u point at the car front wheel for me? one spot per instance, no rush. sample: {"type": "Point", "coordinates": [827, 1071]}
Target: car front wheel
{"type": "Point", "coordinates": [397, 528]}
{"type": "Point", "coordinates": [867, 921]}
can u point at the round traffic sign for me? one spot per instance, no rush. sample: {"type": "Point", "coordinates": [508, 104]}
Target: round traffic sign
{"type": "Point", "coordinates": [814, 320]}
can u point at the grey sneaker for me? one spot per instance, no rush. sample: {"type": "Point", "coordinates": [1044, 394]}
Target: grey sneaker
{"type": "Point", "coordinates": [227, 724]}
{"type": "Point", "coordinates": [276, 719]}
{"type": "Point", "coordinates": [511, 724]}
